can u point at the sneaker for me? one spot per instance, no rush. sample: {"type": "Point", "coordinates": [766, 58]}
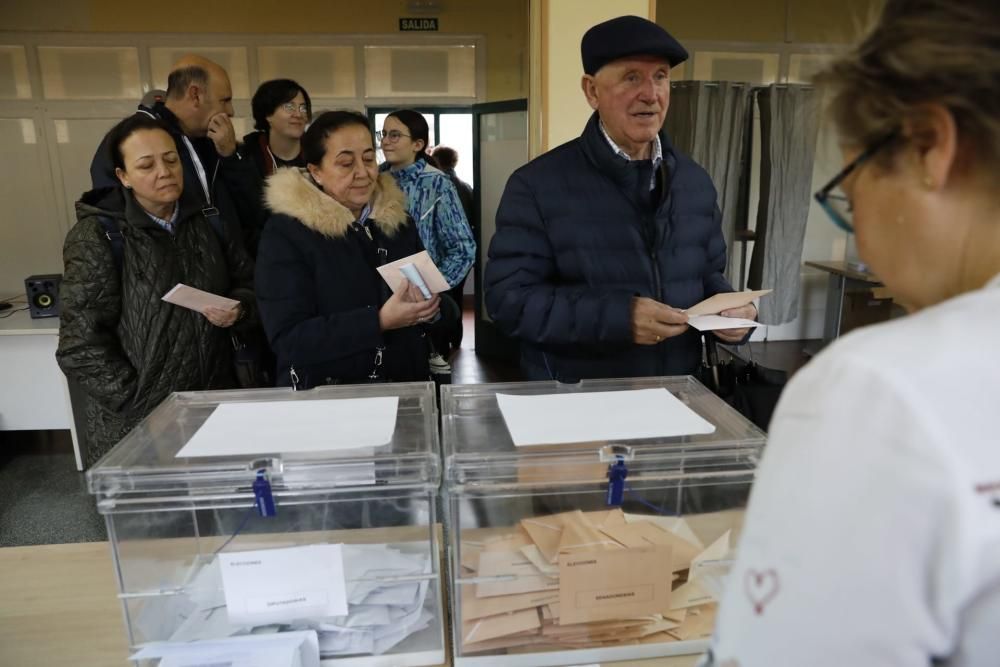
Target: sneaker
{"type": "Point", "coordinates": [438, 365]}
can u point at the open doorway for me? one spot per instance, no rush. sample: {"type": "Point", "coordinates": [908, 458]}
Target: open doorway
{"type": "Point", "coordinates": [449, 126]}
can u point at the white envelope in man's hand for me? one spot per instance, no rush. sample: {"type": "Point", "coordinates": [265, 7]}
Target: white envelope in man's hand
{"type": "Point", "coordinates": [718, 322]}
{"type": "Point", "coordinates": [714, 305]}
{"type": "Point", "coordinates": [433, 279]}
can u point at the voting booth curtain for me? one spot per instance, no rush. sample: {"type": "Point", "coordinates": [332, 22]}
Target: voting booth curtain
{"type": "Point", "coordinates": [789, 126]}
{"type": "Point", "coordinates": [713, 122]}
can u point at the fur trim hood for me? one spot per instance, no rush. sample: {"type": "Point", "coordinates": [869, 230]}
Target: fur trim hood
{"type": "Point", "coordinates": [292, 192]}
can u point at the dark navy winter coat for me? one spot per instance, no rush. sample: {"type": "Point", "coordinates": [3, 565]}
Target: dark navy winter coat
{"type": "Point", "coordinates": [319, 291]}
{"type": "Point", "coordinates": [578, 234]}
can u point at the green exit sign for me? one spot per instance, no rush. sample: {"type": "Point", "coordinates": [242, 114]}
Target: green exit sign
{"type": "Point", "coordinates": [418, 25]}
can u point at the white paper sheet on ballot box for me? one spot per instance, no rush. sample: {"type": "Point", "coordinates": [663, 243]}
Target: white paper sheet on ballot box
{"type": "Point", "coordinates": [550, 419]}
{"type": "Point", "coordinates": [277, 427]}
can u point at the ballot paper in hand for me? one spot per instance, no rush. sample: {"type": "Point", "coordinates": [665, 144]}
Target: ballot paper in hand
{"type": "Point", "coordinates": [550, 419]}
{"type": "Point", "coordinates": [197, 300]}
{"type": "Point", "coordinates": [714, 305]}
{"type": "Point", "coordinates": [718, 322]}
{"type": "Point", "coordinates": [282, 585]}
{"type": "Point", "coordinates": [415, 269]}
{"type": "Point", "coordinates": [286, 649]}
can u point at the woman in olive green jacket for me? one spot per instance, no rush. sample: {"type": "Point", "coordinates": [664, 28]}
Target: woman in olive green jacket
{"type": "Point", "coordinates": [126, 347]}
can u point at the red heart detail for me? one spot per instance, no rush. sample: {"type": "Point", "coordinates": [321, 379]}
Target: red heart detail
{"type": "Point", "coordinates": [761, 588]}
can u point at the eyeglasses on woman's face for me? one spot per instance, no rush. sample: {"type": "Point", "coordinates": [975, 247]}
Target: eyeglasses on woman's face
{"type": "Point", "coordinates": [836, 204]}
{"type": "Point", "coordinates": [390, 137]}
{"type": "Point", "coordinates": [291, 107]}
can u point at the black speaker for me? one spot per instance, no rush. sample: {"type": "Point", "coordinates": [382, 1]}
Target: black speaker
{"type": "Point", "coordinates": [43, 295]}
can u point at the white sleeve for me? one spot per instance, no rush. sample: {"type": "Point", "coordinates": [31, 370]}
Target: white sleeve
{"type": "Point", "coordinates": [845, 557]}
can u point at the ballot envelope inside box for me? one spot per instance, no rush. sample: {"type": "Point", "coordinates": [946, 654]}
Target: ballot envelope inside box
{"type": "Point", "coordinates": [242, 513]}
{"type": "Point", "coordinates": [590, 551]}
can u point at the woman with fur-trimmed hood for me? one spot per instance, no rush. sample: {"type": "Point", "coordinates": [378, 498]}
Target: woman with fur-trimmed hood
{"type": "Point", "coordinates": [329, 316]}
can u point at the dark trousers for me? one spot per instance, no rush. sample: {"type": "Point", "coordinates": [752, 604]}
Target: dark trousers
{"type": "Point", "coordinates": [445, 335]}
{"type": "Point", "coordinates": [456, 294]}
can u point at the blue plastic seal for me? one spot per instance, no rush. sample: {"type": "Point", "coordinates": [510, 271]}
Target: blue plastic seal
{"type": "Point", "coordinates": [262, 494]}
{"type": "Point", "coordinates": [617, 472]}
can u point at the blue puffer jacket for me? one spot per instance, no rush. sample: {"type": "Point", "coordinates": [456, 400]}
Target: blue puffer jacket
{"type": "Point", "coordinates": [578, 234]}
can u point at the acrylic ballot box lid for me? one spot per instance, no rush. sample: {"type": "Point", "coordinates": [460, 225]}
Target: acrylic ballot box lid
{"type": "Point", "coordinates": [144, 466]}
{"type": "Point", "coordinates": [478, 446]}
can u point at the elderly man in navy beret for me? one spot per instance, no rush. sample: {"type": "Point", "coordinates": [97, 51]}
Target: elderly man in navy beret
{"type": "Point", "coordinates": [601, 243]}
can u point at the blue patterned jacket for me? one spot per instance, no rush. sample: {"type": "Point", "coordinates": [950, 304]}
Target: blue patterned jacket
{"type": "Point", "coordinates": [434, 205]}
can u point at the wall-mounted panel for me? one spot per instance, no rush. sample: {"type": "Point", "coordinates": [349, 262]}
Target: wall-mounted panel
{"type": "Point", "coordinates": [90, 72]}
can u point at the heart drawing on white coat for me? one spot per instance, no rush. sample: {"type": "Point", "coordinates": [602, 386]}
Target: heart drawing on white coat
{"type": "Point", "coordinates": [762, 587]}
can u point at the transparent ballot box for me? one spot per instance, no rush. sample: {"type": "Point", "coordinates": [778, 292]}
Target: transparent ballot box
{"type": "Point", "coordinates": [590, 522]}
{"type": "Point", "coordinates": [254, 512]}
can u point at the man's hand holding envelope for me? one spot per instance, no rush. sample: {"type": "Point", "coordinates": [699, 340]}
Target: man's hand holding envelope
{"type": "Point", "coordinates": [736, 306]}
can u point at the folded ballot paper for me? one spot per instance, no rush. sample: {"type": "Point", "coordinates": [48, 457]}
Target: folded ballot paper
{"type": "Point", "coordinates": [704, 316]}
{"type": "Point", "coordinates": [589, 580]}
{"type": "Point", "coordinates": [355, 598]}
{"type": "Point", "coordinates": [197, 300]}
{"type": "Point", "coordinates": [418, 270]}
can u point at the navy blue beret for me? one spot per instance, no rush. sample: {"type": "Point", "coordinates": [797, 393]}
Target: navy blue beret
{"type": "Point", "coordinates": [628, 36]}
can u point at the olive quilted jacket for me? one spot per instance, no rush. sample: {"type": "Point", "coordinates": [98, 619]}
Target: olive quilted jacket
{"type": "Point", "coordinates": [126, 347]}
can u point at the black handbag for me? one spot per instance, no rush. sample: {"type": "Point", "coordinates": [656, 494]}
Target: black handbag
{"type": "Point", "coordinates": [253, 362]}
{"type": "Point", "coordinates": [753, 390]}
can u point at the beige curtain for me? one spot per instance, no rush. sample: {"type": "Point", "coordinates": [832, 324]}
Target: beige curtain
{"type": "Point", "coordinates": [789, 125]}
{"type": "Point", "coordinates": [711, 121]}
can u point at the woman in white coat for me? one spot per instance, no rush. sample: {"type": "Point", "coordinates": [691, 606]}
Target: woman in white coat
{"type": "Point", "coordinates": [873, 532]}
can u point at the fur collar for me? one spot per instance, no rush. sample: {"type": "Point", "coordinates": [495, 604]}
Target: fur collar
{"type": "Point", "coordinates": [292, 192]}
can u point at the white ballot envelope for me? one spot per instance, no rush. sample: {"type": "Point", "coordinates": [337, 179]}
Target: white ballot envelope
{"type": "Point", "coordinates": [715, 322]}
{"type": "Point", "coordinates": [284, 585]}
{"type": "Point", "coordinates": [714, 305]}
{"type": "Point", "coordinates": [394, 273]}
{"type": "Point", "coordinates": [197, 300]}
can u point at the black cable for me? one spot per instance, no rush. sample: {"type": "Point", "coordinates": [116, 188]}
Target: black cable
{"type": "Point", "coordinates": [10, 312]}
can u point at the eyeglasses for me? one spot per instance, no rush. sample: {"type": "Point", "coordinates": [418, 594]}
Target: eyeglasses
{"type": "Point", "coordinates": [838, 206]}
{"type": "Point", "coordinates": [291, 108]}
{"type": "Point", "coordinates": [390, 137]}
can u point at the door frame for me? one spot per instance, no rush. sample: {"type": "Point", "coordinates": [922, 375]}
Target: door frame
{"type": "Point", "coordinates": [490, 341]}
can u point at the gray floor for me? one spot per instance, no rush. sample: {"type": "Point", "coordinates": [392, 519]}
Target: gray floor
{"type": "Point", "coordinates": [43, 499]}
